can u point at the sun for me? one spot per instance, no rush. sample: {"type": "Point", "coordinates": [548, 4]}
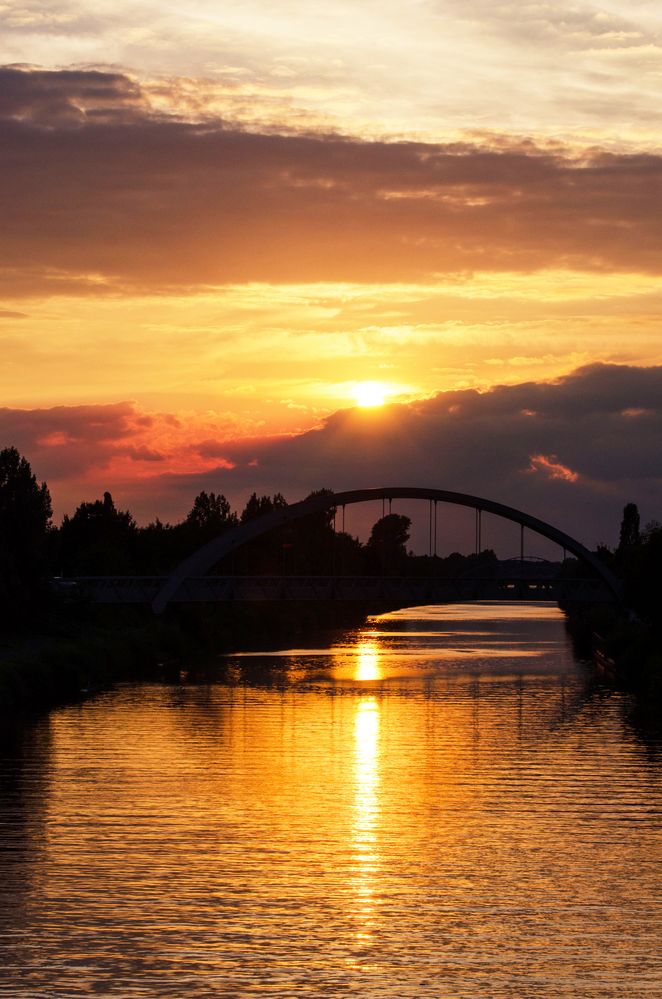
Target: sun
{"type": "Point", "coordinates": [368, 394]}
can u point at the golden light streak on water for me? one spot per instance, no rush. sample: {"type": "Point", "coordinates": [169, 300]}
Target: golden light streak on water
{"type": "Point", "coordinates": [481, 821]}
{"type": "Point", "coordinates": [366, 812]}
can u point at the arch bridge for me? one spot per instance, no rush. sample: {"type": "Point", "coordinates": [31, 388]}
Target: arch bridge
{"type": "Point", "coordinates": [516, 580]}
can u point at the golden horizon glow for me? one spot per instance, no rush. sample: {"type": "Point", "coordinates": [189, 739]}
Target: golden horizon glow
{"type": "Point", "coordinates": [229, 353]}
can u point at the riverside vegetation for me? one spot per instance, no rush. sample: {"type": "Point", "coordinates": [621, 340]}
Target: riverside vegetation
{"type": "Point", "coordinates": [55, 646]}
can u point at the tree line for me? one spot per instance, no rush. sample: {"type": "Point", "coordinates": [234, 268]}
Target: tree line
{"type": "Point", "coordinates": [100, 539]}
{"type": "Point", "coordinates": [637, 560]}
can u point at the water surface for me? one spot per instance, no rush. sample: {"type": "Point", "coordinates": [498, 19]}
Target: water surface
{"type": "Point", "coordinates": [445, 803]}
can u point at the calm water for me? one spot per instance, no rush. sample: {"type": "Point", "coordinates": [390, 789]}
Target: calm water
{"type": "Point", "coordinates": [444, 805]}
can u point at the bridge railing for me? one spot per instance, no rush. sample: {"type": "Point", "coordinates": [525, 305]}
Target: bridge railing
{"type": "Point", "coordinates": [367, 589]}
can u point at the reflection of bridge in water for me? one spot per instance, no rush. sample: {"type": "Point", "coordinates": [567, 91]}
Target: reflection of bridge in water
{"type": "Point", "coordinates": [515, 579]}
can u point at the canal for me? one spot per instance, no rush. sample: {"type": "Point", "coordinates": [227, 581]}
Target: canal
{"type": "Point", "coordinates": [446, 803]}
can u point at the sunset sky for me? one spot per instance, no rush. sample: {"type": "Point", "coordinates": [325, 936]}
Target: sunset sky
{"type": "Point", "coordinates": [220, 221]}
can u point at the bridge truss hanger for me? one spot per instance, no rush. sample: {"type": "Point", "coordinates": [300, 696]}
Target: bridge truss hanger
{"type": "Point", "coordinates": [479, 530]}
{"type": "Point", "coordinates": [432, 534]}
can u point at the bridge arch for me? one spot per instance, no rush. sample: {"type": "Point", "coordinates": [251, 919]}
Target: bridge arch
{"type": "Point", "coordinates": [208, 555]}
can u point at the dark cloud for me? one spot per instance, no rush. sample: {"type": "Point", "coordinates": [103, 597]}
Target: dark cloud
{"type": "Point", "coordinates": [143, 453]}
{"type": "Point", "coordinates": [56, 99]}
{"type": "Point", "coordinates": [147, 201]}
{"type": "Point", "coordinates": [65, 442]}
{"type": "Point", "coordinates": [211, 449]}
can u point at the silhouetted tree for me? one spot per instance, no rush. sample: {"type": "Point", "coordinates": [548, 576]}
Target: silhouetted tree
{"type": "Point", "coordinates": [25, 516]}
{"type": "Point", "coordinates": [259, 505]}
{"type": "Point", "coordinates": [98, 539]}
{"type": "Point", "coordinates": [159, 547]}
{"type": "Point", "coordinates": [629, 527]}
{"type": "Point", "coordinates": [209, 516]}
{"type": "Point", "coordinates": [605, 554]}
{"type": "Point", "coordinates": [211, 511]}
{"type": "Point", "coordinates": [267, 554]}
{"type": "Point", "coordinates": [391, 530]}
{"type": "Point", "coordinates": [310, 543]}
{"type": "Point", "coordinates": [653, 527]}
{"type": "Point", "coordinates": [387, 544]}
{"type": "Point", "coordinates": [641, 568]}
{"type": "Point", "coordinates": [324, 520]}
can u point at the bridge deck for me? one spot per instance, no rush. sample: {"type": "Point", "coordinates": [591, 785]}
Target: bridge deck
{"type": "Point", "coordinates": [389, 589]}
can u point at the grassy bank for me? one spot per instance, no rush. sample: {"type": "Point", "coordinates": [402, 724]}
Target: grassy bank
{"type": "Point", "coordinates": [90, 649]}
{"type": "Point", "coordinates": [53, 669]}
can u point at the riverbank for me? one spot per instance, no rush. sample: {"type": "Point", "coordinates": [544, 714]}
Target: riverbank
{"type": "Point", "coordinates": [625, 648]}
{"type": "Point", "coordinates": [90, 649]}
{"type": "Point", "coordinates": [87, 649]}
{"type": "Point", "coordinates": [47, 670]}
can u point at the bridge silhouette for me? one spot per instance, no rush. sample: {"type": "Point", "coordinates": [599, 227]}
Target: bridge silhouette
{"type": "Point", "coordinates": [514, 579]}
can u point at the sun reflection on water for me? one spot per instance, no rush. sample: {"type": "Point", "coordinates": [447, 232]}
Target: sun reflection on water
{"type": "Point", "coordinates": [367, 661]}
{"type": "Point", "coordinates": [366, 812]}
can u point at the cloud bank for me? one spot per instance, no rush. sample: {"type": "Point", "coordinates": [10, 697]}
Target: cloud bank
{"type": "Point", "coordinates": [97, 190]}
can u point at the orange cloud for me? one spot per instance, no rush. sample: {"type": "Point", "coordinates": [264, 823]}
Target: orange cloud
{"type": "Point", "coordinates": [552, 467]}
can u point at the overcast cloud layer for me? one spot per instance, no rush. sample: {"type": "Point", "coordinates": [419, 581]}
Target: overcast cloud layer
{"type": "Point", "coordinates": [96, 188]}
